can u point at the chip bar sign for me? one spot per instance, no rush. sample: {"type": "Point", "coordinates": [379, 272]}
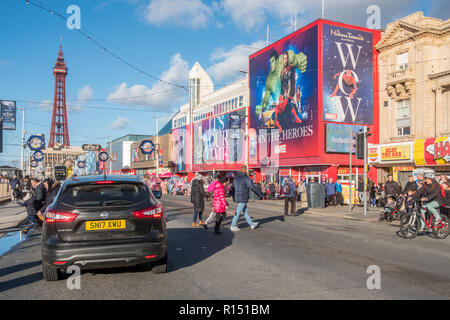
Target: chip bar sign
{"type": "Point", "coordinates": [395, 153]}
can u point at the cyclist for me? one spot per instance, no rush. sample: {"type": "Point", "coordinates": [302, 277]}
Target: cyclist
{"type": "Point", "coordinates": [430, 195]}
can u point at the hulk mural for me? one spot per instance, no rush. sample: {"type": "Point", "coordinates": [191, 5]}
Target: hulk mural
{"type": "Point", "coordinates": [280, 86]}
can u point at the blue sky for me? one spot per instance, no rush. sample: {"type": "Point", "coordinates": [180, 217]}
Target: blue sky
{"type": "Point", "coordinates": [164, 38]}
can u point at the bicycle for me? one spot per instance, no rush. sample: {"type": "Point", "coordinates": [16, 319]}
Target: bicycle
{"type": "Point", "coordinates": [410, 224]}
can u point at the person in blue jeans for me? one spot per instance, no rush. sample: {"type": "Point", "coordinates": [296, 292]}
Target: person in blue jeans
{"type": "Point", "coordinates": [242, 185]}
{"type": "Point", "coordinates": [339, 197]}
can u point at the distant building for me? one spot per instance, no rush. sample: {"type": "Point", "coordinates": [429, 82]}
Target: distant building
{"type": "Point", "coordinates": [58, 156]}
{"type": "Point", "coordinates": [121, 153]}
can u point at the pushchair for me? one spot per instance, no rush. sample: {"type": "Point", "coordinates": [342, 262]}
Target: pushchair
{"type": "Point", "coordinates": [391, 213]}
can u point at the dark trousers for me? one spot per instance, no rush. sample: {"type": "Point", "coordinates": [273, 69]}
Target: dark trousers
{"type": "Point", "coordinates": [286, 205]}
{"type": "Point", "coordinates": [219, 218]}
{"type": "Point", "coordinates": [331, 200]}
{"type": "Point", "coordinates": [339, 199]}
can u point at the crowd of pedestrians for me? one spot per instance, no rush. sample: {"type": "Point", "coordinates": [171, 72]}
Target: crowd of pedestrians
{"type": "Point", "coordinates": [216, 191]}
{"type": "Point", "coordinates": [33, 194]}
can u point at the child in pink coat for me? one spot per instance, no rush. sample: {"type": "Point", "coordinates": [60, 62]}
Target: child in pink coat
{"type": "Point", "coordinates": [219, 203]}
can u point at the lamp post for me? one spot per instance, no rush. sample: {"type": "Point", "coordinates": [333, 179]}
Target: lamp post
{"type": "Point", "coordinates": [22, 158]}
{"type": "Point", "coordinates": [157, 146]}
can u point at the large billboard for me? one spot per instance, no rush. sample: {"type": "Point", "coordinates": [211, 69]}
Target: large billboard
{"type": "Point", "coordinates": [284, 98]}
{"type": "Point", "coordinates": [338, 137]}
{"type": "Point", "coordinates": [347, 75]}
{"type": "Point", "coordinates": [220, 139]}
{"type": "Point", "coordinates": [179, 148]}
{"type": "Point", "coordinates": [8, 113]}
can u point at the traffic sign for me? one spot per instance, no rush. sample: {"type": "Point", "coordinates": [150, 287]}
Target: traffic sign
{"type": "Point", "coordinates": [91, 147]}
{"type": "Point", "coordinates": [36, 143]}
{"type": "Point", "coordinates": [147, 147]}
{"type": "Point", "coordinates": [103, 156]}
{"type": "Point", "coordinates": [60, 172]}
{"type": "Point", "coordinates": [38, 156]}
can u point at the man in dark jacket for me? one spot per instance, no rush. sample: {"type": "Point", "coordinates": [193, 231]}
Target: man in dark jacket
{"type": "Point", "coordinates": [242, 185]}
{"type": "Point", "coordinates": [39, 193]}
{"type": "Point", "coordinates": [14, 183]}
{"type": "Point", "coordinates": [410, 185]}
{"type": "Point", "coordinates": [391, 188]}
{"type": "Point", "coordinates": [198, 199]}
{"type": "Point", "coordinates": [289, 190]}
{"type": "Point", "coordinates": [431, 197]}
{"type": "Point", "coordinates": [330, 190]}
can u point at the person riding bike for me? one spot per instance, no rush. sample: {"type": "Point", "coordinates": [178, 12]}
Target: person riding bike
{"type": "Point", "coordinates": [431, 198]}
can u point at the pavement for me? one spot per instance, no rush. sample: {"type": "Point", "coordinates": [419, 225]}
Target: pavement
{"type": "Point", "coordinates": [11, 215]}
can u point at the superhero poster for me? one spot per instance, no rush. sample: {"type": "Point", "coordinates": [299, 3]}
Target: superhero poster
{"type": "Point", "coordinates": [284, 98]}
{"type": "Point", "coordinates": [179, 148]}
{"type": "Point", "coordinates": [220, 139]}
{"type": "Point", "coordinates": [347, 75]}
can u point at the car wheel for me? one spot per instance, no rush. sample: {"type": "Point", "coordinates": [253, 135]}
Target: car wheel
{"type": "Point", "coordinates": [49, 272]}
{"type": "Point", "coordinates": [160, 266]}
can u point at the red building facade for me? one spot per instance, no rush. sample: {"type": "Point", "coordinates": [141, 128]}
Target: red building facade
{"type": "Point", "coordinates": [308, 91]}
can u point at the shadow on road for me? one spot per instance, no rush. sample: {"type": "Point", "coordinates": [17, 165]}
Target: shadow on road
{"type": "Point", "coordinates": [186, 247]}
{"type": "Point", "coordinates": [18, 267]}
{"type": "Point", "coordinates": [22, 281]}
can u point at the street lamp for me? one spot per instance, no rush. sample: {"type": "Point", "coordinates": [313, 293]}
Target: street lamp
{"type": "Point", "coordinates": [157, 146]}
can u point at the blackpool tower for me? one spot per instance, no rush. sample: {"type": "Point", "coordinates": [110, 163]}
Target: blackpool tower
{"type": "Point", "coordinates": [59, 133]}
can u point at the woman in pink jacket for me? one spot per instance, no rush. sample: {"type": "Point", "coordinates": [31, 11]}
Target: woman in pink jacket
{"type": "Point", "coordinates": [219, 203]}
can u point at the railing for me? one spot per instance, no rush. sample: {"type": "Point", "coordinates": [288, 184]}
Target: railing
{"type": "Point", "coordinates": [398, 75]}
{"type": "Point", "coordinates": [5, 194]}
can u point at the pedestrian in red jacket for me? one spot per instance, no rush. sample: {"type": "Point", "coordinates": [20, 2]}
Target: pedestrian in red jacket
{"type": "Point", "coordinates": [219, 203]}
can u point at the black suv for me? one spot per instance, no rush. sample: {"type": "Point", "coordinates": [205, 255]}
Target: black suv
{"type": "Point", "coordinates": [103, 221]}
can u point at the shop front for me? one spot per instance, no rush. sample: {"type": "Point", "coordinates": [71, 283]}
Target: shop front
{"type": "Point", "coordinates": [396, 159]}
{"type": "Point", "coordinates": [433, 153]}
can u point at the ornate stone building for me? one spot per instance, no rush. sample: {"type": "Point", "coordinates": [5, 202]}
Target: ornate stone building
{"type": "Point", "coordinates": [414, 97]}
{"type": "Point", "coordinates": [415, 79]}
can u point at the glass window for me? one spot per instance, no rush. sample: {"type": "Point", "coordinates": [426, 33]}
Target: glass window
{"type": "Point", "coordinates": [403, 109]}
{"type": "Point", "coordinates": [104, 195]}
{"type": "Point", "coordinates": [402, 61]}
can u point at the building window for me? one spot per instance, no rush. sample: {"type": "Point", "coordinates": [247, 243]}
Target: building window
{"type": "Point", "coordinates": [241, 101]}
{"type": "Point", "coordinates": [402, 61]}
{"type": "Point", "coordinates": [403, 118]}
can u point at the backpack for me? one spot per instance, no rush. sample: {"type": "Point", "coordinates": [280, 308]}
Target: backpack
{"type": "Point", "coordinates": [287, 187]}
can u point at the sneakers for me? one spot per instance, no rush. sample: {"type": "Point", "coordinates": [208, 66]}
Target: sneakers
{"type": "Point", "coordinates": [255, 225]}
{"type": "Point", "coordinates": [194, 224]}
{"type": "Point", "coordinates": [234, 229]}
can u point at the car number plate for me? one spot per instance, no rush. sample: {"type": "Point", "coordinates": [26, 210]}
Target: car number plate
{"type": "Point", "coordinates": [105, 225]}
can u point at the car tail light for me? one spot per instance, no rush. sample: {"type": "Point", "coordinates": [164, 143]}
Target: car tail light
{"type": "Point", "coordinates": [154, 212]}
{"type": "Point", "coordinates": [53, 216]}
{"type": "Point", "coordinates": [104, 182]}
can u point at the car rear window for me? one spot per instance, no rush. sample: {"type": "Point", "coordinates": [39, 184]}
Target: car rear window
{"type": "Point", "coordinates": [102, 195]}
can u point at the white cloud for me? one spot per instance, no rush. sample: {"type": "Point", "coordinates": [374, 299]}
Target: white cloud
{"type": "Point", "coordinates": [227, 64]}
{"type": "Point", "coordinates": [46, 105]}
{"type": "Point", "coordinates": [188, 13]}
{"type": "Point", "coordinates": [161, 94]}
{"type": "Point", "coordinates": [250, 14]}
{"type": "Point", "coordinates": [85, 94]}
{"type": "Point", "coordinates": [120, 123]}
